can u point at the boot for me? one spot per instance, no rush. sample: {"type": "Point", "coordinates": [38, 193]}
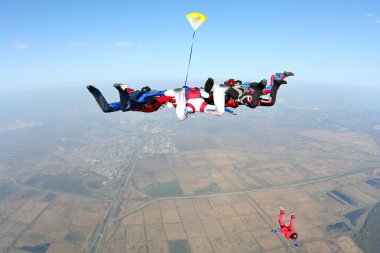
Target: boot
{"type": "Point", "coordinates": [120, 86]}
{"type": "Point", "coordinates": [262, 84]}
{"type": "Point", "coordinates": [288, 73]}
{"type": "Point", "coordinates": [279, 81]}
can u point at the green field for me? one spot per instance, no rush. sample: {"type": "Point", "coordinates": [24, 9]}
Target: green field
{"type": "Point", "coordinates": [368, 236]}
{"type": "Point", "coordinates": [164, 189]}
{"type": "Point", "coordinates": [5, 190]}
{"type": "Point", "coordinates": [179, 246]}
{"type": "Point", "coordinates": [211, 188]}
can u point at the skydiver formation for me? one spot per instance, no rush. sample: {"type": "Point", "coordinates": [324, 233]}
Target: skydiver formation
{"type": "Point", "coordinates": [212, 99]}
{"type": "Point", "coordinates": [215, 99]}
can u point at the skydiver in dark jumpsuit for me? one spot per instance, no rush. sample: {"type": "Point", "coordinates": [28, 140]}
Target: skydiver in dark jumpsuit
{"type": "Point", "coordinates": [251, 94]}
{"type": "Point", "coordinates": [276, 81]}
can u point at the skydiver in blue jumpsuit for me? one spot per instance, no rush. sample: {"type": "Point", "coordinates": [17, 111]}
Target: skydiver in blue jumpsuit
{"type": "Point", "coordinates": [129, 99]}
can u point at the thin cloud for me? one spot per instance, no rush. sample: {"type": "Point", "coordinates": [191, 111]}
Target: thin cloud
{"type": "Point", "coordinates": [113, 53]}
{"type": "Point", "coordinates": [79, 44]}
{"type": "Point", "coordinates": [141, 46]}
{"type": "Point", "coordinates": [373, 16]}
{"type": "Point", "coordinates": [84, 44]}
{"type": "Point", "coordinates": [122, 43]}
{"type": "Point", "coordinates": [20, 46]}
{"type": "Point", "coordinates": [117, 44]}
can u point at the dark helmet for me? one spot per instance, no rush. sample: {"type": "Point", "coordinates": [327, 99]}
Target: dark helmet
{"type": "Point", "coordinates": [145, 89]}
{"type": "Point", "coordinates": [230, 82]}
{"type": "Point", "coordinates": [294, 235]}
{"type": "Point", "coordinates": [238, 82]}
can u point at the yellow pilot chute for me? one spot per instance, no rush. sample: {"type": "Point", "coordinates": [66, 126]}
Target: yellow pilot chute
{"type": "Point", "coordinates": [196, 19]}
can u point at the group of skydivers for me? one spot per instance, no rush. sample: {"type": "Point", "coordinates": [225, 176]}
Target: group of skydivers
{"type": "Point", "coordinates": [212, 98]}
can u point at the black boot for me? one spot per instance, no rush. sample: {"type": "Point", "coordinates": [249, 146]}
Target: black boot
{"type": "Point", "coordinates": [208, 85]}
{"type": "Point", "coordinates": [262, 84]}
{"type": "Point", "coordinates": [279, 81]}
{"type": "Point", "coordinates": [288, 73]}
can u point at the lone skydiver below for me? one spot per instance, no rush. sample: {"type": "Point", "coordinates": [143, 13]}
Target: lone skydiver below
{"type": "Point", "coordinates": [288, 231]}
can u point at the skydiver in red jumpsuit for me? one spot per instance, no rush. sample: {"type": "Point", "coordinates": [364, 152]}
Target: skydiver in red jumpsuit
{"type": "Point", "coordinates": [191, 99]}
{"type": "Point", "coordinates": [288, 231]}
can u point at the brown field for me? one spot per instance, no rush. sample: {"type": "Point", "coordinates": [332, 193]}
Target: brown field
{"type": "Point", "coordinates": [230, 181]}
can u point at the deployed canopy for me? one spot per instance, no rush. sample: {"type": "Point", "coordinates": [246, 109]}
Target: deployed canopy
{"type": "Point", "coordinates": [196, 19]}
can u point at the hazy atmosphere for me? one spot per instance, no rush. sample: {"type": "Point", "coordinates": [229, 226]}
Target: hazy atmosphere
{"type": "Point", "coordinates": [76, 179]}
{"type": "Point", "coordinates": [71, 43]}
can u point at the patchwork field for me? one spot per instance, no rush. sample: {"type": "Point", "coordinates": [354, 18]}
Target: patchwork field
{"type": "Point", "coordinates": [149, 183]}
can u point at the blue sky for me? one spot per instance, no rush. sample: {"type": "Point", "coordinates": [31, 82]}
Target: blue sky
{"type": "Point", "coordinates": [73, 43]}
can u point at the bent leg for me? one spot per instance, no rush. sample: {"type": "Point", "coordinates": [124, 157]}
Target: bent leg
{"type": "Point", "coordinates": [208, 85]}
{"type": "Point", "coordinates": [255, 96]}
{"type": "Point", "coordinates": [102, 102]}
{"type": "Point", "coordinates": [180, 99]}
{"type": "Point", "coordinates": [272, 98]}
{"type": "Point", "coordinates": [219, 99]}
{"type": "Point", "coordinates": [124, 99]}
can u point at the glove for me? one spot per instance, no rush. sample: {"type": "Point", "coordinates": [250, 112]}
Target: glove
{"type": "Point", "coordinates": [296, 244]}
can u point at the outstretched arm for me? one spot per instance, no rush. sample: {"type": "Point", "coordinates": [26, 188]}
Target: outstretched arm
{"type": "Point", "coordinates": [280, 216]}
{"type": "Point", "coordinates": [147, 95]}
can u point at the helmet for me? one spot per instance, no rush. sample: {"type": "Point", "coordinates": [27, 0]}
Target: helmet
{"type": "Point", "coordinates": [238, 82]}
{"type": "Point", "coordinates": [145, 89]}
{"type": "Point", "coordinates": [294, 235]}
{"type": "Point", "coordinates": [230, 82]}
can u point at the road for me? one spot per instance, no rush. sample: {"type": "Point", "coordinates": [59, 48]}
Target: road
{"type": "Point", "coordinates": [350, 171]}
{"type": "Point", "coordinates": [127, 173]}
{"type": "Point", "coordinates": [57, 192]}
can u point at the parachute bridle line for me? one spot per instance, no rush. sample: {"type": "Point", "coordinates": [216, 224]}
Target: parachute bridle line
{"type": "Point", "coordinates": [191, 52]}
